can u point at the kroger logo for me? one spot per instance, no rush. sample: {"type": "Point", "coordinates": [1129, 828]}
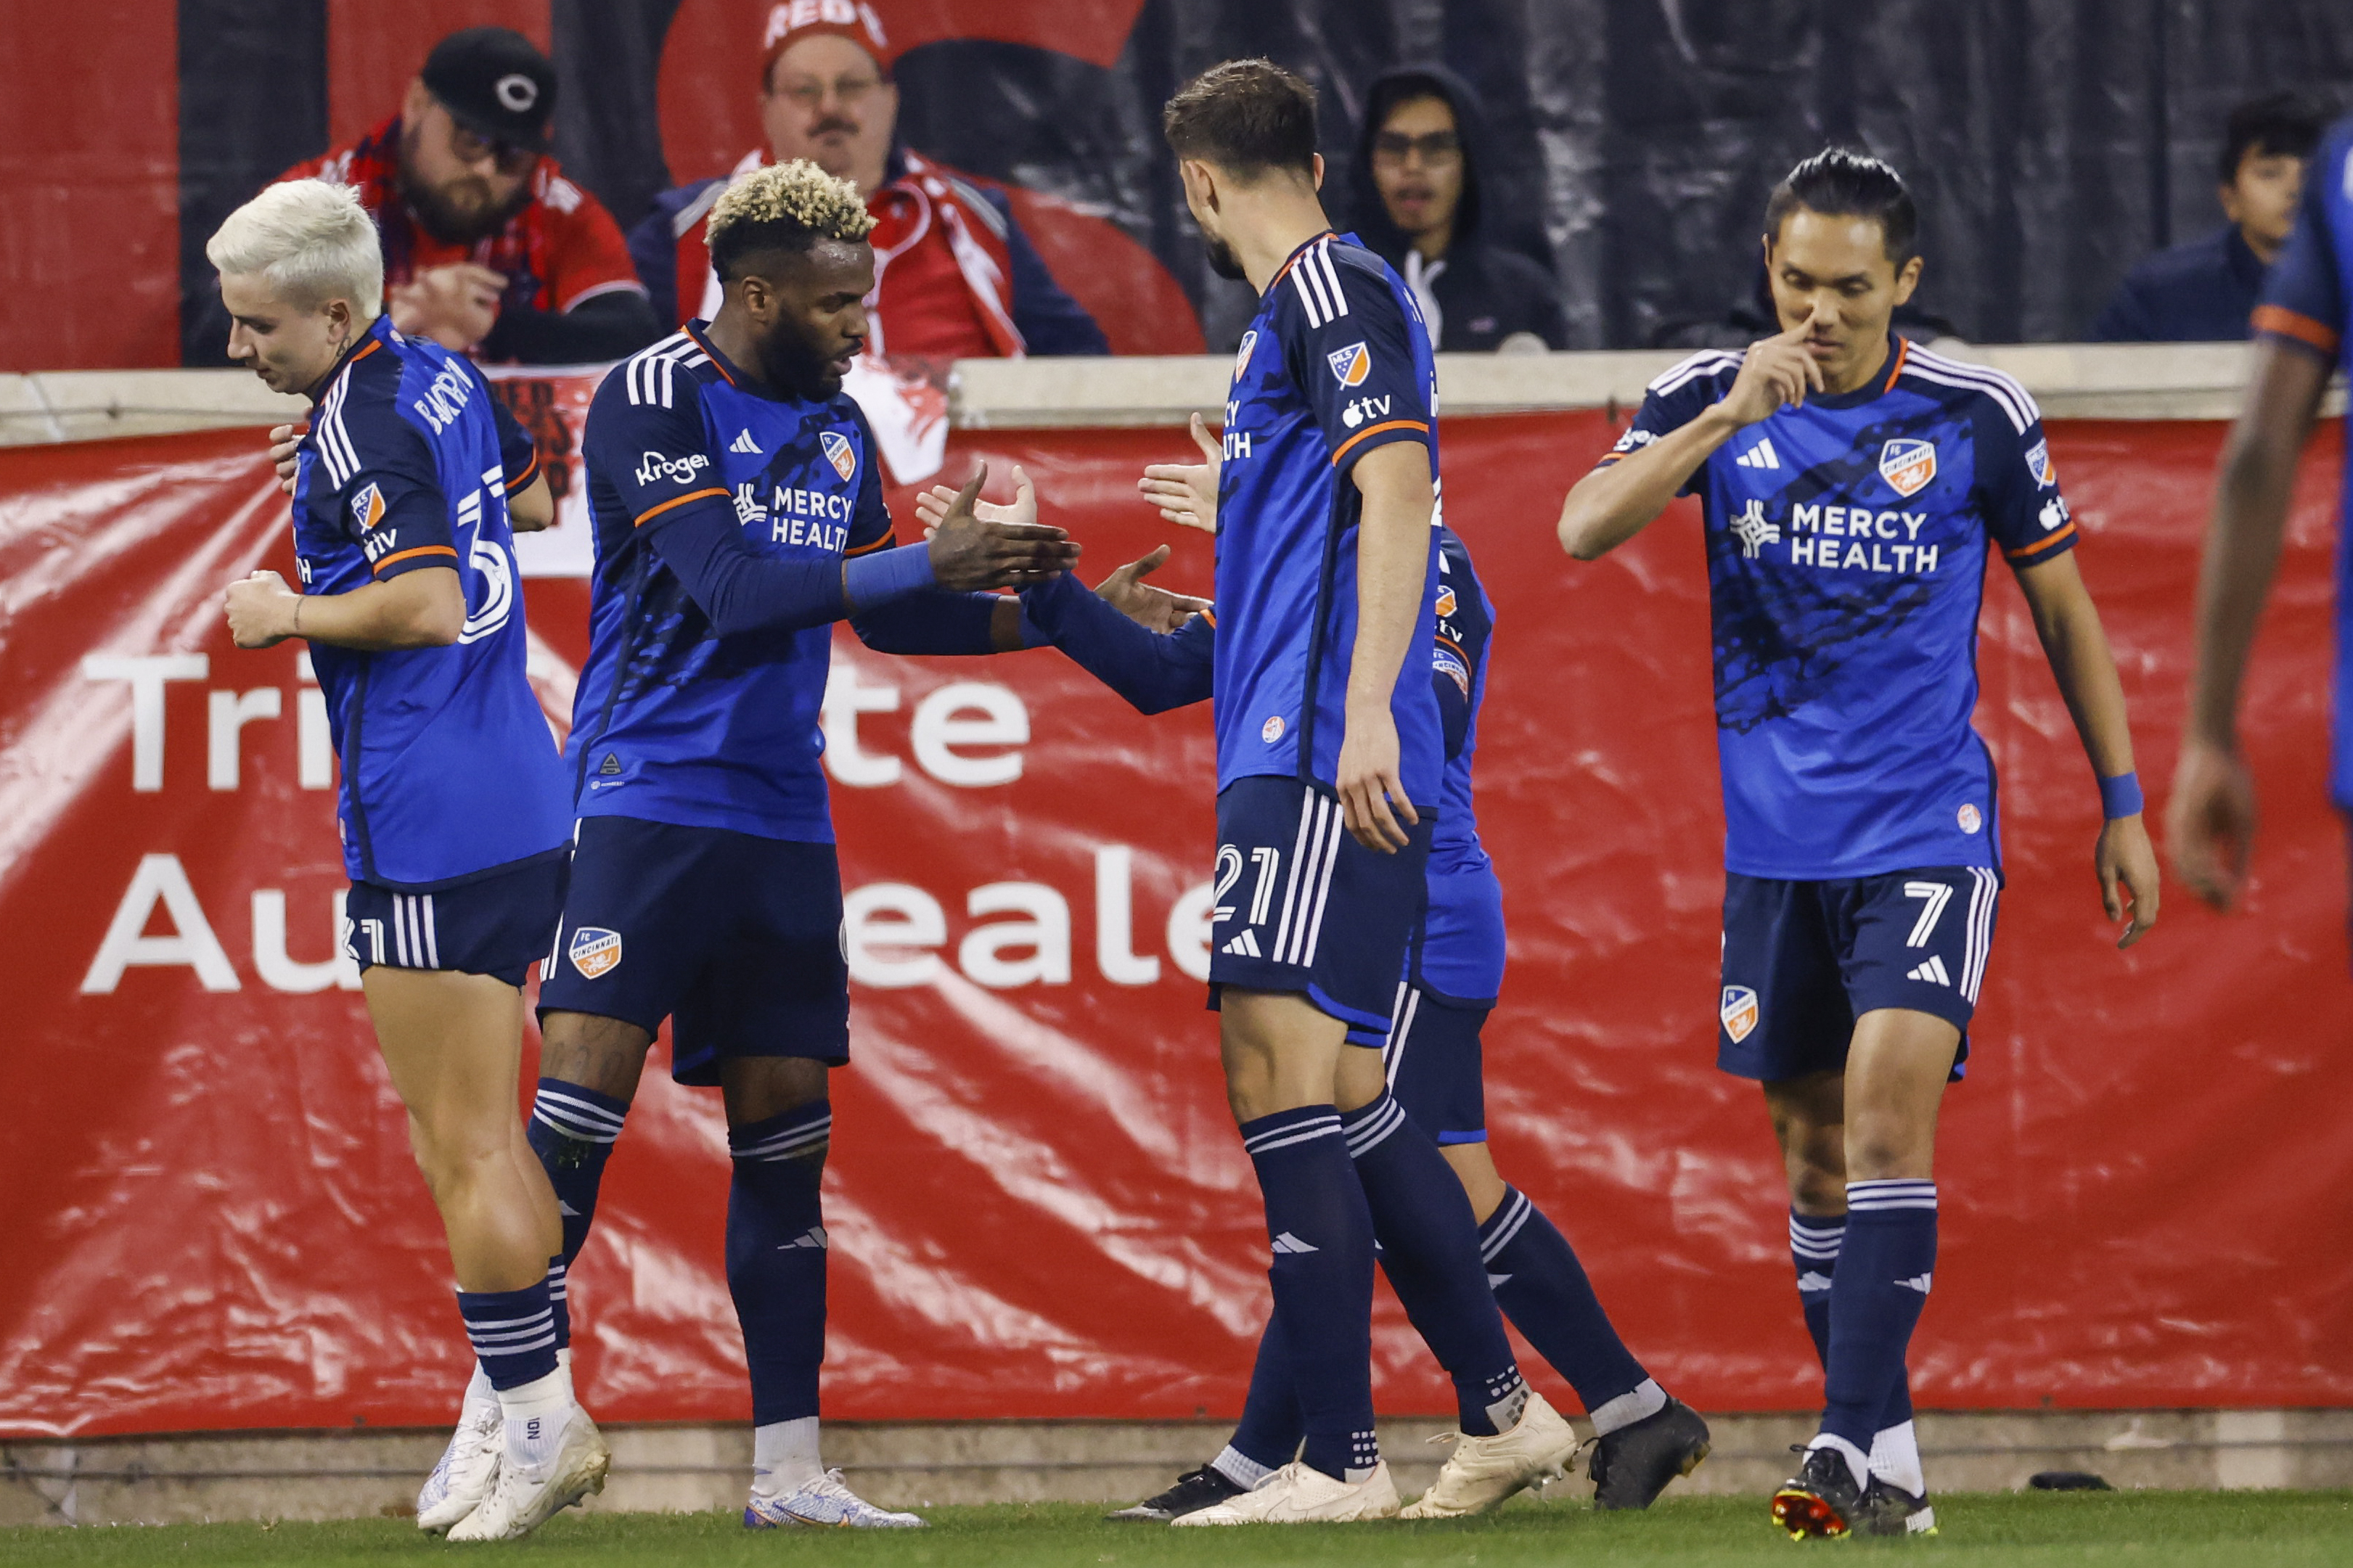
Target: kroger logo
{"type": "Point", "coordinates": [657, 467]}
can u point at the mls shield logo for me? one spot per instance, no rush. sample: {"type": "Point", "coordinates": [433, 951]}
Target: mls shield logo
{"type": "Point", "coordinates": [1738, 1012]}
{"type": "Point", "coordinates": [1906, 466]}
{"type": "Point", "coordinates": [1241, 354]}
{"type": "Point", "coordinates": [1446, 602]}
{"type": "Point", "coordinates": [2038, 463]}
{"type": "Point", "coordinates": [594, 951]}
{"type": "Point", "coordinates": [367, 508]}
{"type": "Point", "coordinates": [1350, 365]}
{"type": "Point", "coordinates": [841, 454]}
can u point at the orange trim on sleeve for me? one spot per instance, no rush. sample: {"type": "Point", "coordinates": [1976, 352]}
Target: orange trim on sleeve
{"type": "Point", "coordinates": [2042, 546]}
{"type": "Point", "coordinates": [2294, 324]}
{"type": "Point", "coordinates": [1609, 457]}
{"type": "Point", "coordinates": [1211, 616]}
{"type": "Point", "coordinates": [871, 545]}
{"type": "Point", "coordinates": [1902, 352]}
{"type": "Point", "coordinates": [420, 550]}
{"type": "Point", "coordinates": [1372, 430]}
{"type": "Point", "coordinates": [645, 518]}
{"type": "Point", "coordinates": [522, 480]}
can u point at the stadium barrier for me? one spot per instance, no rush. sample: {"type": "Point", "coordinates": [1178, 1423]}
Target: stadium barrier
{"type": "Point", "coordinates": [1048, 1261]}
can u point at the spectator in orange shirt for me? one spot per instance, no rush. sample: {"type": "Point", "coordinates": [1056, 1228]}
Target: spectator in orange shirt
{"type": "Point", "coordinates": [954, 276]}
{"type": "Point", "coordinates": [488, 248]}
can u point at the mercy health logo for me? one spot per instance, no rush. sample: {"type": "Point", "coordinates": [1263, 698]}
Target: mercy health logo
{"type": "Point", "coordinates": [1907, 466]}
{"type": "Point", "coordinates": [1350, 365]}
{"type": "Point", "coordinates": [594, 951]}
{"type": "Point", "coordinates": [1846, 538]}
{"type": "Point", "coordinates": [1738, 1011]}
{"type": "Point", "coordinates": [841, 454]}
{"type": "Point", "coordinates": [656, 469]}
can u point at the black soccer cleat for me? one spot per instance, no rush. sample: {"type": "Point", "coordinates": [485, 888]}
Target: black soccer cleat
{"type": "Point", "coordinates": [1889, 1509]}
{"type": "Point", "coordinates": [1194, 1490]}
{"type": "Point", "coordinates": [1633, 1465]}
{"type": "Point", "coordinates": [1821, 1500]}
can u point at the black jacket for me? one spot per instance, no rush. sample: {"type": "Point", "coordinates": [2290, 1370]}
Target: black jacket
{"type": "Point", "coordinates": [2204, 291]}
{"type": "Point", "coordinates": [1484, 292]}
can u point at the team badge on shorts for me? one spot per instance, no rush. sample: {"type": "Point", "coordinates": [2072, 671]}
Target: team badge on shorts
{"type": "Point", "coordinates": [841, 454]}
{"type": "Point", "coordinates": [1271, 731]}
{"type": "Point", "coordinates": [1738, 1012]}
{"type": "Point", "coordinates": [594, 951]}
{"type": "Point", "coordinates": [1969, 818]}
{"type": "Point", "coordinates": [1907, 466]}
{"type": "Point", "coordinates": [1350, 365]}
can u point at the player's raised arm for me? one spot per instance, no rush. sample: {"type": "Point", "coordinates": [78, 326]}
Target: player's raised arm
{"type": "Point", "coordinates": [1666, 444]}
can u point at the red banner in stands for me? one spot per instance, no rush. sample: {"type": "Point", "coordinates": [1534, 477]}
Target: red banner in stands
{"type": "Point", "coordinates": [1038, 1202]}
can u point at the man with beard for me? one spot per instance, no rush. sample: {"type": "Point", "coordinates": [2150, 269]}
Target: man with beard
{"type": "Point", "coordinates": [488, 249]}
{"type": "Point", "coordinates": [738, 513]}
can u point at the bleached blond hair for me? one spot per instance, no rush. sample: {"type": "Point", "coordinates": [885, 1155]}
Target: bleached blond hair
{"type": "Point", "coordinates": [309, 240]}
{"type": "Point", "coordinates": [784, 206]}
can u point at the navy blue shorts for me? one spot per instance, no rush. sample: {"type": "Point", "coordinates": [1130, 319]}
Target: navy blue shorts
{"type": "Point", "coordinates": [735, 938]}
{"type": "Point", "coordinates": [1301, 906]}
{"type": "Point", "coordinates": [496, 925]}
{"type": "Point", "coordinates": [1802, 961]}
{"type": "Point", "coordinates": [1431, 1056]}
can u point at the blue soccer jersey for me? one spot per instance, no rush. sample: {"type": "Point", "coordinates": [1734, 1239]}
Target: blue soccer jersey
{"type": "Point", "coordinates": [1336, 364]}
{"type": "Point", "coordinates": [448, 768]}
{"type": "Point", "coordinates": [2308, 304]}
{"type": "Point", "coordinates": [1846, 553]}
{"type": "Point", "coordinates": [673, 721]}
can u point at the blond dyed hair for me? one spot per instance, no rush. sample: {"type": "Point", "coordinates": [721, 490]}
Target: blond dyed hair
{"type": "Point", "coordinates": [784, 206]}
{"type": "Point", "coordinates": [309, 240]}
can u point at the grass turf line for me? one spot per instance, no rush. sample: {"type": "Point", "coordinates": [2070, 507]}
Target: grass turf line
{"type": "Point", "coordinates": [2146, 1529]}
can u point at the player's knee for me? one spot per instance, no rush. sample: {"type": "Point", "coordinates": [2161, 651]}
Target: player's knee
{"type": "Point", "coordinates": [1881, 1147]}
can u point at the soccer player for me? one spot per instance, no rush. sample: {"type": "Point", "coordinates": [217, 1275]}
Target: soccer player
{"type": "Point", "coordinates": [738, 514]}
{"type": "Point", "coordinates": [1852, 485]}
{"type": "Point", "coordinates": [2301, 330]}
{"type": "Point", "coordinates": [454, 812]}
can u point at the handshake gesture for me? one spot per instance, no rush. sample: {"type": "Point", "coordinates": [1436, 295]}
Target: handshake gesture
{"type": "Point", "coordinates": [978, 545]}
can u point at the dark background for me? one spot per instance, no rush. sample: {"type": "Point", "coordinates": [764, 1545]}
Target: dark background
{"type": "Point", "coordinates": [2052, 142]}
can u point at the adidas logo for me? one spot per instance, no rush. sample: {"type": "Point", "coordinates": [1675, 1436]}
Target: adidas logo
{"type": "Point", "coordinates": [744, 443]}
{"type": "Point", "coordinates": [1810, 1281]}
{"type": "Point", "coordinates": [1932, 971]}
{"type": "Point", "coordinates": [567, 1210]}
{"type": "Point", "coordinates": [1917, 1282]}
{"type": "Point", "coordinates": [1497, 1281]}
{"type": "Point", "coordinates": [1244, 945]}
{"type": "Point", "coordinates": [1288, 1243]}
{"type": "Point", "coordinates": [1760, 456]}
{"type": "Point", "coordinates": [813, 1237]}
{"type": "Point", "coordinates": [610, 766]}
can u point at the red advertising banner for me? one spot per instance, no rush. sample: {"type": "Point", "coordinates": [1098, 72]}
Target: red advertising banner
{"type": "Point", "coordinates": [1039, 1204]}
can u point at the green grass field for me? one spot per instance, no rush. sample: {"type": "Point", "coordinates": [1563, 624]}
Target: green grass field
{"type": "Point", "coordinates": [2146, 1529]}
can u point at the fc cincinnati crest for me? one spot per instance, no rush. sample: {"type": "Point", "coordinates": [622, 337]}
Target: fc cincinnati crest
{"type": "Point", "coordinates": [1738, 1012]}
{"type": "Point", "coordinates": [594, 951]}
{"type": "Point", "coordinates": [1350, 365]}
{"type": "Point", "coordinates": [1241, 354]}
{"type": "Point", "coordinates": [1906, 466]}
{"type": "Point", "coordinates": [841, 454]}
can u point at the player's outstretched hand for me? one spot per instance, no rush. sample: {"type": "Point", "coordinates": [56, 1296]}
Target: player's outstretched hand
{"type": "Point", "coordinates": [283, 440]}
{"type": "Point", "coordinates": [1187, 493]}
{"type": "Point", "coordinates": [1776, 373]}
{"type": "Point", "coordinates": [2210, 823]}
{"type": "Point", "coordinates": [970, 553]}
{"type": "Point", "coordinates": [1372, 790]}
{"type": "Point", "coordinates": [2127, 861]}
{"type": "Point", "coordinates": [1153, 609]}
{"type": "Point", "coordinates": [260, 610]}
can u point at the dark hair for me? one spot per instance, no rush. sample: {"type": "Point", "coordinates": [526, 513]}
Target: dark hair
{"type": "Point", "coordinates": [1841, 182]}
{"type": "Point", "coordinates": [2274, 124]}
{"type": "Point", "coordinates": [1246, 117]}
{"type": "Point", "coordinates": [782, 207]}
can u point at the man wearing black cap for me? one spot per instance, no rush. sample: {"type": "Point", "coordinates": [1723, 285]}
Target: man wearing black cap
{"type": "Point", "coordinates": [488, 248]}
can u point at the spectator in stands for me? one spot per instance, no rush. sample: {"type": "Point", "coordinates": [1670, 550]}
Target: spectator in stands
{"type": "Point", "coordinates": [955, 277]}
{"type": "Point", "coordinates": [1418, 205]}
{"type": "Point", "coordinates": [2205, 291]}
{"type": "Point", "coordinates": [488, 248]}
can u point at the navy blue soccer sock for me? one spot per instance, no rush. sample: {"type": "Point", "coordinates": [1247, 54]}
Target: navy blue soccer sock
{"type": "Point", "coordinates": [776, 1257]}
{"type": "Point", "coordinates": [1322, 1274]}
{"type": "Point", "coordinates": [1885, 1265]}
{"type": "Point", "coordinates": [1271, 1429]}
{"type": "Point", "coordinates": [1542, 1287]}
{"type": "Point", "coordinates": [571, 1131]}
{"type": "Point", "coordinates": [1429, 1250]}
{"type": "Point", "coordinates": [1814, 1242]}
{"type": "Point", "coordinates": [512, 1331]}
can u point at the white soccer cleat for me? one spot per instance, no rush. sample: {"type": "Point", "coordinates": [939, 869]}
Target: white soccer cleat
{"type": "Point", "coordinates": [1299, 1494]}
{"type": "Point", "coordinates": [827, 1503]}
{"type": "Point", "coordinates": [526, 1494]}
{"type": "Point", "coordinates": [1483, 1472]}
{"type": "Point", "coordinates": [469, 1465]}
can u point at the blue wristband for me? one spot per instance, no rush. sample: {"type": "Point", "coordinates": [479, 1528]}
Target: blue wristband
{"type": "Point", "coordinates": [875, 580]}
{"type": "Point", "coordinates": [2120, 797]}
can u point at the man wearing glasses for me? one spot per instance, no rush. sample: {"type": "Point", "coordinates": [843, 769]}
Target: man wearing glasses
{"type": "Point", "coordinates": [954, 276]}
{"type": "Point", "coordinates": [1419, 203]}
{"type": "Point", "coordinates": [488, 249]}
